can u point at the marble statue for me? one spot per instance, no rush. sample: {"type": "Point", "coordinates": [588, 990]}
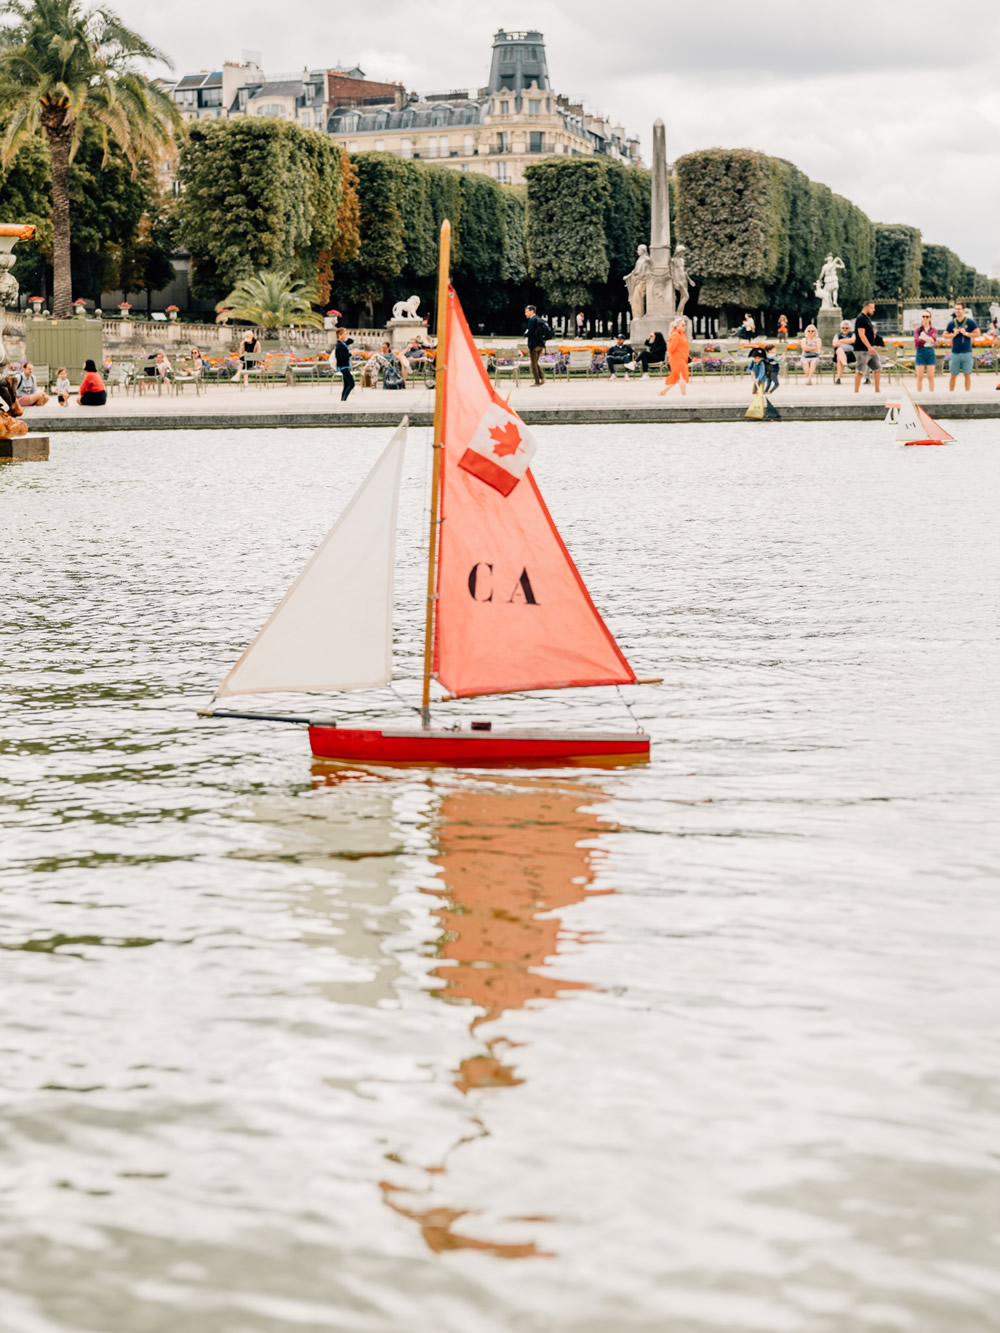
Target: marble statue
{"type": "Point", "coordinates": [679, 279]}
{"type": "Point", "coordinates": [828, 283]}
{"type": "Point", "coordinates": [637, 282]}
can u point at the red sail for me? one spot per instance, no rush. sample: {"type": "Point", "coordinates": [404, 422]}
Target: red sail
{"type": "Point", "coordinates": [512, 612]}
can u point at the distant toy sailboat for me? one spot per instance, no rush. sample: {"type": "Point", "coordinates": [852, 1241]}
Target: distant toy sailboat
{"type": "Point", "coordinates": [915, 426]}
{"type": "Point", "coordinates": [507, 610]}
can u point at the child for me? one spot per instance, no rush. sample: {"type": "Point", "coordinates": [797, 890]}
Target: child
{"type": "Point", "coordinates": [63, 386]}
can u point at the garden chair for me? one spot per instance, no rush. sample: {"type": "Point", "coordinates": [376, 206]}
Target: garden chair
{"type": "Point", "coordinates": [300, 370]}
{"type": "Point", "coordinates": [508, 363]}
{"type": "Point", "coordinates": [253, 362]}
{"type": "Point", "coordinates": [580, 361]}
{"type": "Point", "coordinates": [147, 378]}
{"type": "Point", "coordinates": [118, 378]}
{"type": "Point", "coordinates": [275, 368]}
{"type": "Point", "coordinates": [186, 372]}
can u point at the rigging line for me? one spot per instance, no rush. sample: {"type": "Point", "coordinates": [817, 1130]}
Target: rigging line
{"type": "Point", "coordinates": [628, 709]}
{"type": "Point", "coordinates": [405, 702]}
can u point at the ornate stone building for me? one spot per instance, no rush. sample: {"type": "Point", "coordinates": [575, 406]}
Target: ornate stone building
{"type": "Point", "coordinates": [516, 119]}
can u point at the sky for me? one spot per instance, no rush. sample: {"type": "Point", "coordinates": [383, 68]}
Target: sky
{"type": "Point", "coordinates": [895, 106]}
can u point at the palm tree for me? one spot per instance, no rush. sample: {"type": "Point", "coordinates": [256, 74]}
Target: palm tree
{"type": "Point", "coordinates": [272, 300]}
{"type": "Point", "coordinates": [63, 68]}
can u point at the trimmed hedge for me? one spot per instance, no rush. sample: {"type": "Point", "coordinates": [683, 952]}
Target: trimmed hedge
{"type": "Point", "coordinates": [757, 230]}
{"type": "Point", "coordinates": [898, 256]}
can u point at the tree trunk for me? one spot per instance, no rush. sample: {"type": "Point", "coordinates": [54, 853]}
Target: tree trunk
{"type": "Point", "coordinates": [58, 133]}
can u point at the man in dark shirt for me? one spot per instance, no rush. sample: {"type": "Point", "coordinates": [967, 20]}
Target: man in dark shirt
{"type": "Point", "coordinates": [620, 357]}
{"type": "Point", "coordinates": [535, 334]}
{"type": "Point", "coordinates": [865, 356]}
{"type": "Point", "coordinates": [962, 327]}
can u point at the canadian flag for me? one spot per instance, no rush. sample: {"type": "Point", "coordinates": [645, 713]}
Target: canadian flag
{"type": "Point", "coordinates": [501, 449]}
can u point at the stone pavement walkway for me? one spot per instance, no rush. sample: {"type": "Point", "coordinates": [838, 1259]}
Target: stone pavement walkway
{"type": "Point", "coordinates": [226, 405]}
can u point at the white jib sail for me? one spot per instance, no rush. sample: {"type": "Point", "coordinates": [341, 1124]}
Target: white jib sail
{"type": "Point", "coordinates": [333, 628]}
{"type": "Point", "coordinates": [908, 424]}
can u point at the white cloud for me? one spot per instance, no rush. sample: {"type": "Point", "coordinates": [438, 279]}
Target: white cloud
{"type": "Point", "coordinates": [896, 108]}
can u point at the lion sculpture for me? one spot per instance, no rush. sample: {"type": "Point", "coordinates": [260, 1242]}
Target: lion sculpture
{"type": "Point", "coordinates": [406, 309]}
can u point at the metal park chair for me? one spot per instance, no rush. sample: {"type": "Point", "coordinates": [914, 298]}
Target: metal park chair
{"type": "Point", "coordinates": [580, 361]}
{"type": "Point", "coordinates": [185, 373]}
{"type": "Point", "coordinates": [252, 363]}
{"type": "Point", "coordinates": [119, 377]}
{"type": "Point", "coordinates": [508, 363]}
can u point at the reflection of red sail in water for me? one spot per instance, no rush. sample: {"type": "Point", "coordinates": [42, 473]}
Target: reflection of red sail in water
{"type": "Point", "coordinates": [509, 859]}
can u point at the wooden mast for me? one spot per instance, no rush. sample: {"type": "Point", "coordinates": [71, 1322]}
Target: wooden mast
{"type": "Point", "coordinates": [440, 372]}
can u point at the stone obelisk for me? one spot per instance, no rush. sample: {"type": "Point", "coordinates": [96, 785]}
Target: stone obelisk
{"type": "Point", "coordinates": [659, 289]}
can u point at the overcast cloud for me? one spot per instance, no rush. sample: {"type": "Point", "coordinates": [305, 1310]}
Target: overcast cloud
{"type": "Point", "coordinates": [895, 106]}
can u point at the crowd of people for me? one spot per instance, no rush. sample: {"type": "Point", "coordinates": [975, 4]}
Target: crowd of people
{"type": "Point", "coordinates": [856, 350]}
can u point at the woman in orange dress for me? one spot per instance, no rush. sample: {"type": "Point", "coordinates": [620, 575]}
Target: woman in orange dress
{"type": "Point", "coordinates": [678, 350]}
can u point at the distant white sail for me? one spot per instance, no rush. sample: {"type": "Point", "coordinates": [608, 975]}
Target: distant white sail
{"type": "Point", "coordinates": [915, 426]}
{"type": "Point", "coordinates": [333, 628]}
{"type": "Point", "coordinates": [908, 424]}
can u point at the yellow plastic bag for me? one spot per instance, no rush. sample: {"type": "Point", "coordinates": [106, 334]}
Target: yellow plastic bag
{"type": "Point", "coordinates": [756, 409]}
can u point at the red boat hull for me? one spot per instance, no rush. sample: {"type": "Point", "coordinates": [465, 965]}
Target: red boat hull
{"type": "Point", "coordinates": [909, 443]}
{"type": "Point", "coordinates": [477, 749]}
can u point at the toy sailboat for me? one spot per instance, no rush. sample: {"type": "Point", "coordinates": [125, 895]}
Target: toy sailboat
{"type": "Point", "coordinates": [507, 610]}
{"type": "Point", "coordinates": [914, 425]}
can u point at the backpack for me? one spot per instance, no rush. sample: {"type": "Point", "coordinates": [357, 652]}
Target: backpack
{"type": "Point", "coordinates": [544, 332]}
{"type": "Point", "coordinates": [392, 377]}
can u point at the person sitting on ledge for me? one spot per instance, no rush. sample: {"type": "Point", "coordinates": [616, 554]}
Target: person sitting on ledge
{"type": "Point", "coordinates": [28, 392]}
{"type": "Point", "coordinates": [654, 352]}
{"type": "Point", "coordinates": [621, 355]}
{"type": "Point", "coordinates": [92, 390]}
{"type": "Point", "coordinates": [63, 386]}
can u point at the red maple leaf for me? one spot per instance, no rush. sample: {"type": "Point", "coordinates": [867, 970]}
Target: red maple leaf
{"type": "Point", "coordinates": [508, 439]}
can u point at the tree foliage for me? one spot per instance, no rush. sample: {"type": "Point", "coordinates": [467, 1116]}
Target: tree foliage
{"type": "Point", "coordinates": [585, 218]}
{"type": "Point", "coordinates": [65, 71]}
{"type": "Point", "coordinates": [402, 204]}
{"type": "Point", "coordinates": [898, 255]}
{"type": "Point", "coordinates": [274, 300]}
{"type": "Point", "coordinates": [258, 193]}
{"type": "Point", "coordinates": [757, 230]}
{"type": "Point", "coordinates": [940, 271]}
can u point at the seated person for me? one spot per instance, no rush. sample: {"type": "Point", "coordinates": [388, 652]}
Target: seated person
{"type": "Point", "coordinates": [621, 357]}
{"type": "Point", "coordinates": [163, 366]}
{"type": "Point", "coordinates": [413, 354]}
{"type": "Point", "coordinates": [843, 346]}
{"type": "Point", "coordinates": [63, 386]}
{"type": "Point", "coordinates": [197, 360]}
{"type": "Point", "coordinates": [92, 390]}
{"type": "Point", "coordinates": [654, 352]}
{"type": "Point", "coordinates": [394, 369]}
{"type": "Point", "coordinates": [28, 392]}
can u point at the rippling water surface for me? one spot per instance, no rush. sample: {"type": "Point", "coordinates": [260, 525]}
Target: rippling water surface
{"type": "Point", "coordinates": [709, 1045]}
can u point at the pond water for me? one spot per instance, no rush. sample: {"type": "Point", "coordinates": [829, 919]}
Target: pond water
{"type": "Point", "coordinates": [706, 1045]}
